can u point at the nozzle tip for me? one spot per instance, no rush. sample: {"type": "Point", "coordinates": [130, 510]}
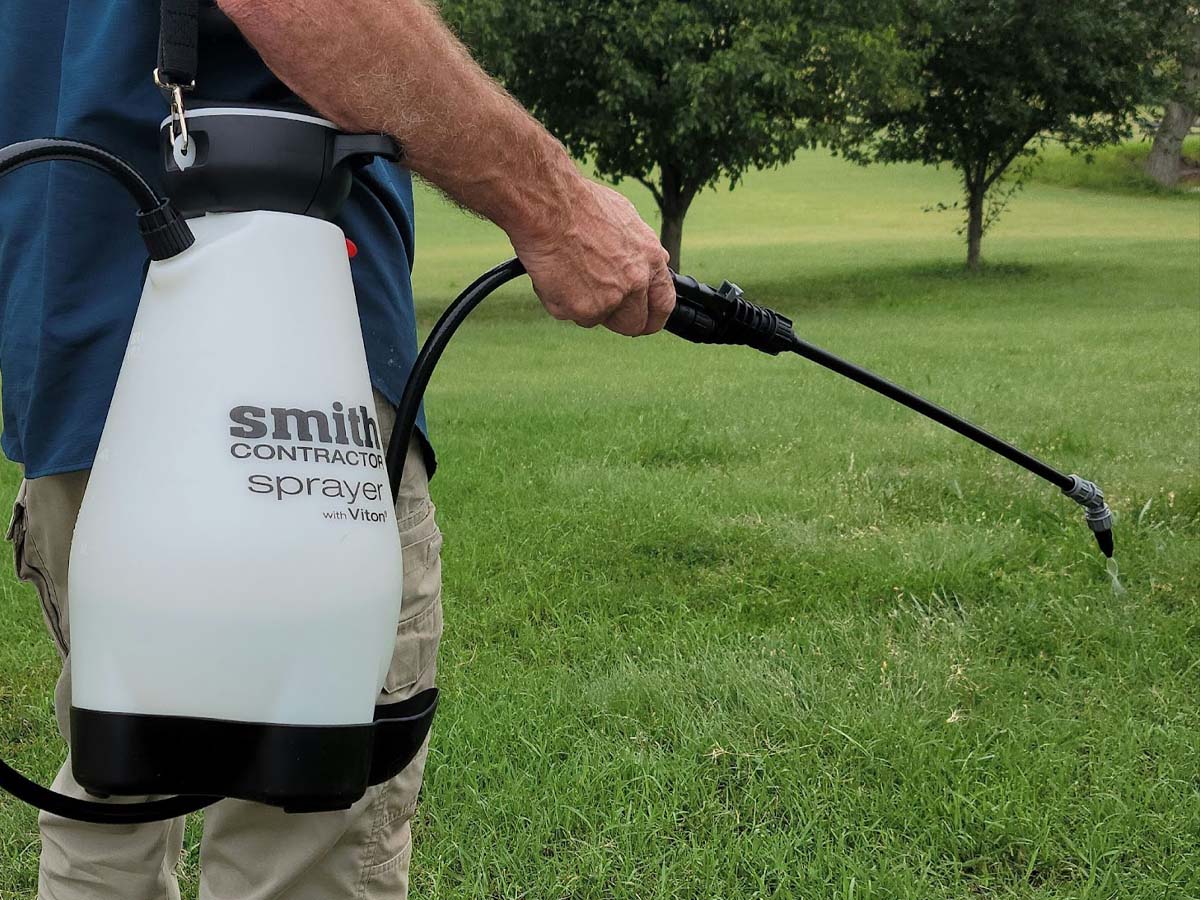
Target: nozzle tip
{"type": "Point", "coordinates": [1105, 540]}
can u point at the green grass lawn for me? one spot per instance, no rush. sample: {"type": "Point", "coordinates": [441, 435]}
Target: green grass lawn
{"type": "Point", "coordinates": [726, 626]}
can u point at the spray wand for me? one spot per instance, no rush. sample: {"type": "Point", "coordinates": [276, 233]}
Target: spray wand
{"type": "Point", "coordinates": [706, 315]}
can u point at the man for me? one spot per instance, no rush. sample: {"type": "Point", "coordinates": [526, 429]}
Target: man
{"type": "Point", "coordinates": [68, 290]}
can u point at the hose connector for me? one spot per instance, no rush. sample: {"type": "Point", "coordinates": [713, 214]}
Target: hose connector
{"type": "Point", "coordinates": [706, 315]}
{"type": "Point", "coordinates": [1095, 509]}
{"type": "Point", "coordinates": [164, 231]}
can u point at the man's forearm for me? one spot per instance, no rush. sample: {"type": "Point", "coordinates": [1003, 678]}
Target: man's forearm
{"type": "Point", "coordinates": [392, 66]}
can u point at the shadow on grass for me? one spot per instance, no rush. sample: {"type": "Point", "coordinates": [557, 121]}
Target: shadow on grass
{"type": "Point", "coordinates": [925, 283]}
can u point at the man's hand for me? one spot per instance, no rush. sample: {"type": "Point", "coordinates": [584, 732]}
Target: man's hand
{"type": "Point", "coordinates": [392, 66]}
{"type": "Point", "coordinates": [605, 268]}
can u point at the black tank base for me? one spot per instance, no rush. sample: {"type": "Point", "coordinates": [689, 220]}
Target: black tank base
{"type": "Point", "coordinates": [298, 768]}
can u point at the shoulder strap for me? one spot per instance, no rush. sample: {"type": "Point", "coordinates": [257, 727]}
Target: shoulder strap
{"type": "Point", "coordinates": [178, 36]}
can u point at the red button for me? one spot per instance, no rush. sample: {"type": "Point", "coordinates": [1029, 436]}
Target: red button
{"type": "Point", "coordinates": [351, 248]}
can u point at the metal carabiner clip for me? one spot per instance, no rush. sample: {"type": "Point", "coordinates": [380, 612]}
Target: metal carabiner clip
{"type": "Point", "coordinates": [178, 113]}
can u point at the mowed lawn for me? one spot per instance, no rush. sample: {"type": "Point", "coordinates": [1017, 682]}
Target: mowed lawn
{"type": "Point", "coordinates": [727, 626]}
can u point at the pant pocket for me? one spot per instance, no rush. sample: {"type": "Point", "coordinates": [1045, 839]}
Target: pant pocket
{"type": "Point", "coordinates": [30, 567]}
{"type": "Point", "coordinates": [414, 659]}
{"type": "Point", "coordinates": [16, 527]}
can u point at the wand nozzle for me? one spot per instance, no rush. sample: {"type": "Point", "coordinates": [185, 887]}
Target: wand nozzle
{"type": "Point", "coordinates": [706, 315]}
{"type": "Point", "coordinates": [1099, 517]}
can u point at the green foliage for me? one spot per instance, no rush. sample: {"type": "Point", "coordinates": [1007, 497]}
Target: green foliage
{"type": "Point", "coordinates": [679, 96]}
{"type": "Point", "coordinates": [997, 77]}
{"type": "Point", "coordinates": [1179, 58]}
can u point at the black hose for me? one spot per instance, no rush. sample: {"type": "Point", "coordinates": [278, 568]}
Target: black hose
{"type": "Point", "coordinates": [97, 813]}
{"type": "Point", "coordinates": [431, 351]}
{"type": "Point", "coordinates": [166, 234]}
{"type": "Point", "coordinates": [702, 315]}
{"type": "Point", "coordinates": [14, 156]}
{"type": "Point", "coordinates": [163, 230]}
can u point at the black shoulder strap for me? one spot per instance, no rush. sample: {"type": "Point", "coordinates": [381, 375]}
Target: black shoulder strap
{"type": "Point", "coordinates": [178, 37]}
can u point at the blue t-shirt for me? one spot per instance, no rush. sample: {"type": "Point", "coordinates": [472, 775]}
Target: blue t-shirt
{"type": "Point", "coordinates": [71, 259]}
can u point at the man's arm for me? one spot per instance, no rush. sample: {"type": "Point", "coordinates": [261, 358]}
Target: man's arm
{"type": "Point", "coordinates": [392, 66]}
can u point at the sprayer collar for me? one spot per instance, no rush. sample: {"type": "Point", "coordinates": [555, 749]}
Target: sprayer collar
{"type": "Point", "coordinates": [164, 230]}
{"type": "Point", "coordinates": [1088, 495]}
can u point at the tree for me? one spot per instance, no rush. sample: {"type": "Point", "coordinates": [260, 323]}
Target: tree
{"type": "Point", "coordinates": [996, 78]}
{"type": "Point", "coordinates": [679, 96]}
{"type": "Point", "coordinates": [1182, 106]}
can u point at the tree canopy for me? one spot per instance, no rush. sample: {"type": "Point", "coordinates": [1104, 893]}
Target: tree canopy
{"type": "Point", "coordinates": [995, 77]}
{"type": "Point", "coordinates": [684, 96]}
{"type": "Point", "coordinates": [680, 96]}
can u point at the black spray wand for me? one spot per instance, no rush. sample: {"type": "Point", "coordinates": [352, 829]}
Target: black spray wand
{"type": "Point", "coordinates": [704, 315]}
{"type": "Point", "coordinates": [723, 316]}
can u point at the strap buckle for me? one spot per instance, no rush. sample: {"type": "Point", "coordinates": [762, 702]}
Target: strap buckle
{"type": "Point", "coordinates": [178, 112]}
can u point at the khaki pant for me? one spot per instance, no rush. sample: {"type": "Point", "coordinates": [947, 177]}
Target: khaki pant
{"type": "Point", "coordinates": [248, 852]}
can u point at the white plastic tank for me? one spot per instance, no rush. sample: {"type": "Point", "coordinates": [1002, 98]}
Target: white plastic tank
{"type": "Point", "coordinates": [236, 557]}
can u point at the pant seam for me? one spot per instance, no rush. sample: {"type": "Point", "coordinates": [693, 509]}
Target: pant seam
{"type": "Point", "coordinates": [372, 841]}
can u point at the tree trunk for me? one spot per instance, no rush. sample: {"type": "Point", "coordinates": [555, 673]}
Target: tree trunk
{"type": "Point", "coordinates": [672, 236]}
{"type": "Point", "coordinates": [1166, 155]}
{"type": "Point", "coordinates": [674, 202]}
{"type": "Point", "coordinates": [1165, 161]}
{"type": "Point", "coordinates": [975, 195]}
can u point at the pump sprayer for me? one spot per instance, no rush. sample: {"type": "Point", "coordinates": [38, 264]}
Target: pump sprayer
{"type": "Point", "coordinates": [260, 493]}
{"type": "Point", "coordinates": [236, 571]}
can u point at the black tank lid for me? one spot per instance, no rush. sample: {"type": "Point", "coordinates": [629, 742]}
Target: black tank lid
{"type": "Point", "coordinates": [244, 157]}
